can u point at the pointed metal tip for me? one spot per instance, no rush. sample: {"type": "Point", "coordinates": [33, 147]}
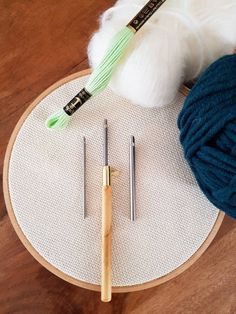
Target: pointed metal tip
{"type": "Point", "coordinates": [105, 123]}
{"type": "Point", "coordinates": [132, 218]}
{"type": "Point", "coordinates": [132, 140]}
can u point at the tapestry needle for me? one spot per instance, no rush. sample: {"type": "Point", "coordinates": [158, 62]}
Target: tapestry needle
{"type": "Point", "coordinates": [84, 177]}
{"type": "Point", "coordinates": [132, 180]}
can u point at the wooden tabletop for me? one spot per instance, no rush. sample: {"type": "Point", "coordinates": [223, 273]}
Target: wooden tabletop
{"type": "Point", "coordinates": [40, 43]}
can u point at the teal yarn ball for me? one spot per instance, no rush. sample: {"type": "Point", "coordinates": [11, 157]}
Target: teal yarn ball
{"type": "Point", "coordinates": [207, 124]}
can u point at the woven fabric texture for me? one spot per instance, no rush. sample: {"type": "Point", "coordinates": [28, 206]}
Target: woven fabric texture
{"type": "Point", "coordinates": [45, 184]}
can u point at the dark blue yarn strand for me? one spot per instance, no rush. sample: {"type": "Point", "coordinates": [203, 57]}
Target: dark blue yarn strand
{"type": "Point", "coordinates": [209, 88]}
{"type": "Point", "coordinates": [207, 124]}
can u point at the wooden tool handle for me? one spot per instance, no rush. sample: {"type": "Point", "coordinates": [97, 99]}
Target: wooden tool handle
{"type": "Point", "coordinates": [106, 243]}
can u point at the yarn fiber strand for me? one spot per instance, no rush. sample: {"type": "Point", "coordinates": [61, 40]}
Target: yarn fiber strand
{"type": "Point", "coordinates": [207, 125]}
{"type": "Point", "coordinates": [101, 75]}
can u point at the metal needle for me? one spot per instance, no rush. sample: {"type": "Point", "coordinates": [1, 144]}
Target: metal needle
{"type": "Point", "coordinates": [105, 143]}
{"type": "Point", "coordinates": [132, 183]}
{"type": "Point", "coordinates": [84, 177]}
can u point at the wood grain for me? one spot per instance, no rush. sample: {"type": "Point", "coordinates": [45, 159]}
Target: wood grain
{"type": "Point", "coordinates": [106, 280]}
{"type": "Point", "coordinates": [41, 42]}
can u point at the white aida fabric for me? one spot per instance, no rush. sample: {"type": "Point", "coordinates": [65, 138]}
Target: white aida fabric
{"type": "Point", "coordinates": [45, 184]}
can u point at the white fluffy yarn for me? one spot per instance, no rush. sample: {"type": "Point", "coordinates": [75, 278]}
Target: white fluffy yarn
{"type": "Point", "coordinates": [178, 42]}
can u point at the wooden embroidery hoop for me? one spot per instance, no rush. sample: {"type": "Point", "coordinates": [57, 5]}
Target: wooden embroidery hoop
{"type": "Point", "coordinates": [45, 263]}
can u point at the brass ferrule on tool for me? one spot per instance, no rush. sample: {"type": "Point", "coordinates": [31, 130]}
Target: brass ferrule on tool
{"type": "Point", "coordinates": [106, 175]}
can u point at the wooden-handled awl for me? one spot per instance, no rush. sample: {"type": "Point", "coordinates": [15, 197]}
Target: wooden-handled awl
{"type": "Point", "coordinates": [106, 278]}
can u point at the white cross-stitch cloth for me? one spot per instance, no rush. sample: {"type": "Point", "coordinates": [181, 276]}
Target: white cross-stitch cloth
{"type": "Point", "coordinates": [45, 184]}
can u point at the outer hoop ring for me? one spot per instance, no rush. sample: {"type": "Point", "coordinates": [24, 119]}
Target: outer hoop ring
{"type": "Point", "coordinates": [121, 289]}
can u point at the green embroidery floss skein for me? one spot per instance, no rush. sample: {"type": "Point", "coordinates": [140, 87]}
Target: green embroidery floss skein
{"type": "Point", "coordinates": [101, 75]}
